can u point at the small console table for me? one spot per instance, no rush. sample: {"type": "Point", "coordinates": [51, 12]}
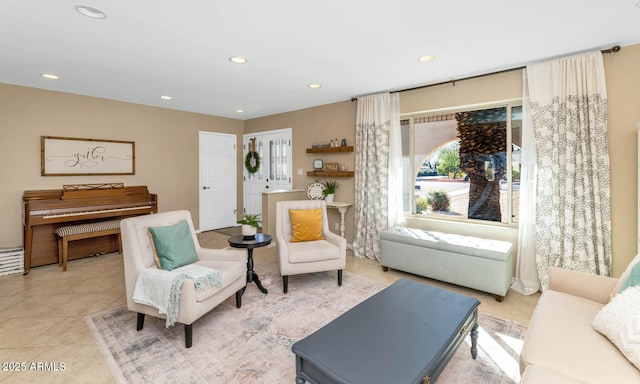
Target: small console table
{"type": "Point", "coordinates": [257, 241]}
{"type": "Point", "coordinates": [342, 208]}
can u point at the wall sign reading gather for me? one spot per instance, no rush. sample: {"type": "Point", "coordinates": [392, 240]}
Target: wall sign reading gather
{"type": "Point", "coordinates": [72, 156]}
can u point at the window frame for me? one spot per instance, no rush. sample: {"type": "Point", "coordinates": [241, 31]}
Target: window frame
{"type": "Point", "coordinates": [508, 104]}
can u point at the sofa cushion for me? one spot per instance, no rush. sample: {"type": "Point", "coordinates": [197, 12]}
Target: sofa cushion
{"type": "Point", "coordinates": [619, 321]}
{"type": "Point", "coordinates": [173, 245]}
{"type": "Point", "coordinates": [561, 338]}
{"type": "Point", "coordinates": [625, 276]}
{"type": "Point", "coordinates": [230, 271]}
{"type": "Point", "coordinates": [306, 224]}
{"type": "Point", "coordinates": [633, 279]}
{"type": "Point", "coordinates": [537, 374]}
{"type": "Point", "coordinates": [309, 251]}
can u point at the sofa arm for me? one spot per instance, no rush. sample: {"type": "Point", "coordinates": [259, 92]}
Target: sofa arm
{"type": "Point", "coordinates": [336, 240]}
{"type": "Point", "coordinates": [586, 285]}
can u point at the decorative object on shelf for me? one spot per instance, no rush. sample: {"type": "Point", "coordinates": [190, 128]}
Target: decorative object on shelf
{"type": "Point", "coordinates": [315, 191]}
{"type": "Point", "coordinates": [343, 143]}
{"type": "Point", "coordinates": [329, 191]}
{"type": "Point", "coordinates": [252, 161]}
{"type": "Point", "coordinates": [338, 149]}
{"type": "Point", "coordinates": [342, 167]}
{"type": "Point", "coordinates": [250, 223]}
{"type": "Point", "coordinates": [318, 164]}
{"type": "Point", "coordinates": [333, 167]}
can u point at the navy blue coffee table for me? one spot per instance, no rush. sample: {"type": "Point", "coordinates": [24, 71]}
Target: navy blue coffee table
{"type": "Point", "coordinates": [406, 333]}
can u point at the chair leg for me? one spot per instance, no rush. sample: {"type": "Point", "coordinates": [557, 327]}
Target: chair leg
{"type": "Point", "coordinates": [339, 277]}
{"type": "Point", "coordinates": [140, 323]}
{"type": "Point", "coordinates": [285, 283]}
{"type": "Point", "coordinates": [188, 335]}
{"type": "Point", "coordinates": [239, 298]}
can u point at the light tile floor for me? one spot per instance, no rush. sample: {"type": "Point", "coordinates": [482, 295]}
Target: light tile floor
{"type": "Point", "coordinates": [42, 327]}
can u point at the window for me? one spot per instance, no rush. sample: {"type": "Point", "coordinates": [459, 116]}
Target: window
{"type": "Point", "coordinates": [463, 163]}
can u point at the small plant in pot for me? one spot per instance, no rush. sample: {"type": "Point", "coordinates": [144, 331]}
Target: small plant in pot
{"type": "Point", "coordinates": [330, 187]}
{"type": "Point", "coordinates": [250, 223]}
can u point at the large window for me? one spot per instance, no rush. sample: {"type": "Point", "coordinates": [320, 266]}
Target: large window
{"type": "Point", "coordinates": [463, 163]}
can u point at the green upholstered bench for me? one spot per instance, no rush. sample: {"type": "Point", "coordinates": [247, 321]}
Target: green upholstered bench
{"type": "Point", "coordinates": [472, 262]}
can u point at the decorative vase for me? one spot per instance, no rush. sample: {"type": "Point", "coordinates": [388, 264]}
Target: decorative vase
{"type": "Point", "coordinates": [329, 198]}
{"type": "Point", "coordinates": [248, 230]}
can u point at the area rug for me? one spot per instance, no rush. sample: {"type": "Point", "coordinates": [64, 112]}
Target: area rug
{"type": "Point", "coordinates": [252, 344]}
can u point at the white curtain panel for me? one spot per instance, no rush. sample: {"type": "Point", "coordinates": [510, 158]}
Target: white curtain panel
{"type": "Point", "coordinates": [568, 103]}
{"type": "Point", "coordinates": [376, 144]}
{"type": "Point", "coordinates": [526, 280]}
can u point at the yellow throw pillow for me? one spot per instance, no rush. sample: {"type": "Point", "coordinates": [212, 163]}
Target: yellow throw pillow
{"type": "Point", "coordinates": [306, 224]}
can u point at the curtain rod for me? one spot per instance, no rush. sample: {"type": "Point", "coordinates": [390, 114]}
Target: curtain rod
{"type": "Point", "coordinates": [613, 49]}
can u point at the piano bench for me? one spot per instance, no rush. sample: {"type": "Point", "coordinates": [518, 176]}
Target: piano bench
{"type": "Point", "coordinates": [84, 231]}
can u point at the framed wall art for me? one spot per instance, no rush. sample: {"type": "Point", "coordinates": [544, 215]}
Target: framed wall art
{"type": "Point", "coordinates": [71, 156]}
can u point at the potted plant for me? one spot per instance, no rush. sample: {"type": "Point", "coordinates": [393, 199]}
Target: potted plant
{"type": "Point", "coordinates": [250, 223]}
{"type": "Point", "coordinates": [330, 187]}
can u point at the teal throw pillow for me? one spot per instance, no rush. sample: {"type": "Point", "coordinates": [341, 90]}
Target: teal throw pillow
{"type": "Point", "coordinates": [633, 279]}
{"type": "Point", "coordinates": [173, 245]}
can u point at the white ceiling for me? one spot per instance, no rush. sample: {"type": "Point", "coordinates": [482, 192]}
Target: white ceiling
{"type": "Point", "coordinates": [145, 49]}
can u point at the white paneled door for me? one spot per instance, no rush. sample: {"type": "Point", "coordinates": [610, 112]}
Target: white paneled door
{"type": "Point", "coordinates": [274, 173]}
{"type": "Point", "coordinates": [218, 182]}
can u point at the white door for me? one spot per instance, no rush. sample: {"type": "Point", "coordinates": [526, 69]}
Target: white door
{"type": "Point", "coordinates": [218, 189]}
{"type": "Point", "coordinates": [274, 172]}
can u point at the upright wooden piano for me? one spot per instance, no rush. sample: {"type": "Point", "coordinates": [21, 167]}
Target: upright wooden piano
{"type": "Point", "coordinates": [47, 210]}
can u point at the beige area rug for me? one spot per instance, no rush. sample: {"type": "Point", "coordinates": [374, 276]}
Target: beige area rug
{"type": "Point", "coordinates": [253, 344]}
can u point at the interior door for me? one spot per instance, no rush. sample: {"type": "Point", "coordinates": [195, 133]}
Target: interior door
{"type": "Point", "coordinates": [218, 183]}
{"type": "Point", "coordinates": [274, 172]}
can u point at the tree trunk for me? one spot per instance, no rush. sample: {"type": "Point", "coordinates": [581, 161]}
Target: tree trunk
{"type": "Point", "coordinates": [483, 140]}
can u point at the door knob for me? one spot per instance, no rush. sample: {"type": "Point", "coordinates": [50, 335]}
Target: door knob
{"type": "Point", "coordinates": [205, 187]}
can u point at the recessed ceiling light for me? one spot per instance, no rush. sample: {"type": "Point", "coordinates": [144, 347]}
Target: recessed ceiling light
{"type": "Point", "coordinates": [315, 86]}
{"type": "Point", "coordinates": [89, 11]}
{"type": "Point", "coordinates": [165, 97]}
{"type": "Point", "coordinates": [237, 59]}
{"type": "Point", "coordinates": [426, 58]}
{"type": "Point", "coordinates": [240, 110]}
{"type": "Point", "coordinates": [50, 76]}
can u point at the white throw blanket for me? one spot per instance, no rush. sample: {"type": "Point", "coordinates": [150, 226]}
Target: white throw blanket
{"type": "Point", "coordinates": [161, 289]}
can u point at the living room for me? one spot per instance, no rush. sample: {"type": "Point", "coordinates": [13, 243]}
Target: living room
{"type": "Point", "coordinates": [166, 142]}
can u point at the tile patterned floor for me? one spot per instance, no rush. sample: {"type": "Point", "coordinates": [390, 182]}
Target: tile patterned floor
{"type": "Point", "coordinates": [41, 314]}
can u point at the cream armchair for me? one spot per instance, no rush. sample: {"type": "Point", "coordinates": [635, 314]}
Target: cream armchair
{"type": "Point", "coordinates": [138, 255]}
{"type": "Point", "coordinates": [307, 256]}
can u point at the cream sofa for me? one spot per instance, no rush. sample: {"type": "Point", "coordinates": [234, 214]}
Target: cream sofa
{"type": "Point", "coordinates": [562, 345]}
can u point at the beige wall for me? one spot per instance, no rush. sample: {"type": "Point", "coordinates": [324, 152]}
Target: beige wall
{"type": "Point", "coordinates": [166, 144]}
{"type": "Point", "coordinates": [623, 84]}
{"type": "Point", "coordinates": [318, 124]}
{"type": "Point", "coordinates": [623, 88]}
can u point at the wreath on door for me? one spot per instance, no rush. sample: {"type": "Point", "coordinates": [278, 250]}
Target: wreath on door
{"type": "Point", "coordinates": [252, 161]}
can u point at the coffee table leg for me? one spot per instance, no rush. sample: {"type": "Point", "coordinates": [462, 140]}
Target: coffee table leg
{"type": "Point", "coordinates": [474, 340]}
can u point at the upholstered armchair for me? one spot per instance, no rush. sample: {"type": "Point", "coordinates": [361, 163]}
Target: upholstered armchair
{"type": "Point", "coordinates": [304, 243]}
{"type": "Point", "coordinates": [139, 253]}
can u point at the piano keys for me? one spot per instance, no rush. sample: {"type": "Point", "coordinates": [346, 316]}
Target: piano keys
{"type": "Point", "coordinates": [46, 210]}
